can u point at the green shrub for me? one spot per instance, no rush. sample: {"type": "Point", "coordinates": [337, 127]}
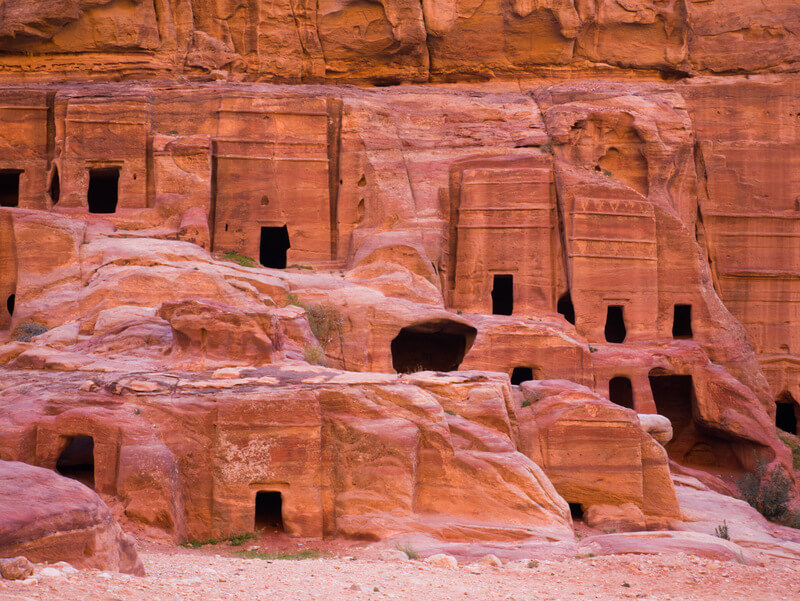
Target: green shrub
{"type": "Point", "coordinates": [234, 540]}
{"type": "Point", "coordinates": [721, 531]}
{"type": "Point", "coordinates": [408, 550]}
{"type": "Point", "coordinates": [547, 147]}
{"type": "Point", "coordinates": [793, 442]}
{"type": "Point", "coordinates": [242, 260]}
{"type": "Point", "coordinates": [296, 555]}
{"type": "Point", "coordinates": [27, 330]}
{"type": "Point", "coordinates": [314, 354]}
{"type": "Point", "coordinates": [326, 322]}
{"type": "Point", "coordinates": [767, 489]}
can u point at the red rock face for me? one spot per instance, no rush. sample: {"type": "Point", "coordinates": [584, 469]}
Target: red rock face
{"type": "Point", "coordinates": [208, 275]}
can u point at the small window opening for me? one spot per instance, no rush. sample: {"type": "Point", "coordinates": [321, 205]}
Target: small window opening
{"type": "Point", "coordinates": [10, 302]}
{"type": "Point", "coordinates": [620, 391]}
{"type": "Point", "coordinates": [615, 324]}
{"type": "Point", "coordinates": [786, 413]}
{"type": "Point", "coordinates": [103, 190]}
{"type": "Point", "coordinates": [503, 295]}
{"type": "Point", "coordinates": [521, 374]}
{"type": "Point", "coordinates": [55, 186]}
{"type": "Point", "coordinates": [274, 244]}
{"type": "Point", "coordinates": [565, 307]}
{"type": "Point", "coordinates": [77, 460]}
{"type": "Point", "coordinates": [682, 322]}
{"type": "Point", "coordinates": [269, 511]}
{"type": "Point", "coordinates": [9, 187]}
{"type": "Point", "coordinates": [576, 511]}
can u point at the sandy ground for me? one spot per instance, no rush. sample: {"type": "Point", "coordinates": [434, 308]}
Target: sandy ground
{"type": "Point", "coordinates": [215, 573]}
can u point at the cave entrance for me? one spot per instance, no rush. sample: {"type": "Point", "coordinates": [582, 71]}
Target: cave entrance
{"type": "Point", "coordinates": [682, 321]}
{"type": "Point", "coordinates": [10, 302]}
{"type": "Point", "coordinates": [9, 187]}
{"type": "Point", "coordinates": [274, 244]}
{"type": "Point", "coordinates": [503, 295]}
{"type": "Point", "coordinates": [521, 374]}
{"type": "Point", "coordinates": [615, 324]}
{"type": "Point", "coordinates": [786, 413]}
{"type": "Point", "coordinates": [269, 511]}
{"type": "Point", "coordinates": [620, 391]}
{"type": "Point", "coordinates": [77, 460]}
{"type": "Point", "coordinates": [435, 345]}
{"type": "Point", "coordinates": [576, 511]}
{"type": "Point", "coordinates": [103, 193]}
{"type": "Point", "coordinates": [566, 308]}
{"type": "Point", "coordinates": [674, 398]}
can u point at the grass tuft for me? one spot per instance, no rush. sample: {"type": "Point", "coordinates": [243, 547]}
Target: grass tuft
{"type": "Point", "coordinates": [290, 555]}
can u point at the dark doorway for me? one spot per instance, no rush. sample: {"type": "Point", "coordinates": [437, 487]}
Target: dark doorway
{"type": "Point", "coordinates": [576, 511]}
{"type": "Point", "coordinates": [786, 413]}
{"type": "Point", "coordinates": [10, 303]}
{"type": "Point", "coordinates": [503, 295]}
{"type": "Point", "coordinates": [615, 324]}
{"type": "Point", "coordinates": [274, 244]}
{"type": "Point", "coordinates": [673, 396]}
{"type": "Point", "coordinates": [682, 322]}
{"type": "Point", "coordinates": [620, 391]}
{"type": "Point", "coordinates": [103, 190]}
{"type": "Point", "coordinates": [437, 345]}
{"type": "Point", "coordinates": [269, 511]}
{"type": "Point", "coordinates": [565, 307]}
{"type": "Point", "coordinates": [9, 187]}
{"type": "Point", "coordinates": [55, 186]}
{"type": "Point", "coordinates": [77, 460]}
{"type": "Point", "coordinates": [521, 374]}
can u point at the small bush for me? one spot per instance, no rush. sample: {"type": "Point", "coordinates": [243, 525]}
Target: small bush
{"type": "Point", "coordinates": [449, 412]}
{"type": "Point", "coordinates": [314, 354]}
{"type": "Point", "coordinates": [293, 299]}
{"type": "Point", "coordinates": [297, 555]}
{"type": "Point", "coordinates": [793, 442]}
{"type": "Point", "coordinates": [408, 550]}
{"type": "Point", "coordinates": [526, 403]}
{"type": "Point", "coordinates": [721, 531]}
{"type": "Point", "coordinates": [242, 260]}
{"type": "Point", "coordinates": [234, 540]}
{"type": "Point", "coordinates": [766, 489]}
{"type": "Point", "coordinates": [27, 330]}
{"type": "Point", "coordinates": [547, 147]}
{"type": "Point", "coordinates": [326, 322]}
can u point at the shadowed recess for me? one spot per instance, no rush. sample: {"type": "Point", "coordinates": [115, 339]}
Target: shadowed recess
{"type": "Point", "coordinates": [436, 345]}
{"type": "Point", "coordinates": [77, 460]}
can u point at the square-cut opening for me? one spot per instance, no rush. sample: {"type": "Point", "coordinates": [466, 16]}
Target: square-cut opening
{"type": "Point", "coordinates": [9, 187]}
{"type": "Point", "coordinates": [274, 244]}
{"type": "Point", "coordinates": [103, 192]}
{"type": "Point", "coordinates": [269, 511]}
{"type": "Point", "coordinates": [503, 294]}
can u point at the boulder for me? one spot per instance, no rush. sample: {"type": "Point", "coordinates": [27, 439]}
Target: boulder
{"type": "Point", "coordinates": [48, 518]}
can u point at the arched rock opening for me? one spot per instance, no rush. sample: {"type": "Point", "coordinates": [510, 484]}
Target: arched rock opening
{"type": "Point", "coordinates": [522, 374]}
{"type": "Point", "coordinates": [435, 345]}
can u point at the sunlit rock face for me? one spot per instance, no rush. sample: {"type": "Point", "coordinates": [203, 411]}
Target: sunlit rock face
{"type": "Point", "coordinates": [552, 272]}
